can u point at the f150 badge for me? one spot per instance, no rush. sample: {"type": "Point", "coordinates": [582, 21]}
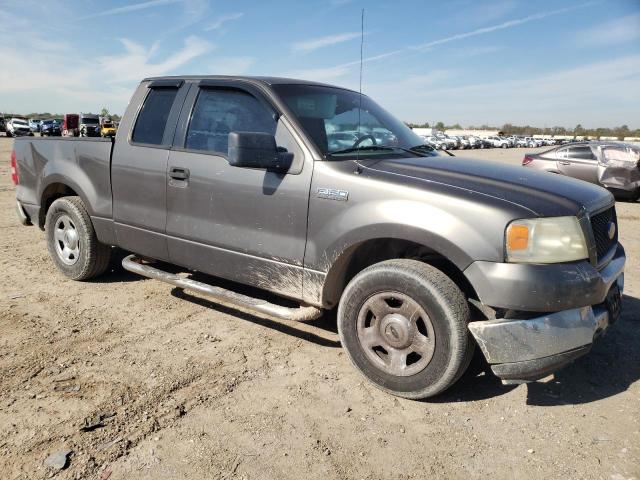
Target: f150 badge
{"type": "Point", "coordinates": [333, 194]}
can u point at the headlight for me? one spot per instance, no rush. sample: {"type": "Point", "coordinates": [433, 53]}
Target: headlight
{"type": "Point", "coordinates": [545, 240]}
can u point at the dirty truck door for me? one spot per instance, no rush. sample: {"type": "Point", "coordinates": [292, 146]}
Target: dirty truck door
{"type": "Point", "coordinates": [244, 224]}
{"type": "Point", "coordinates": [139, 167]}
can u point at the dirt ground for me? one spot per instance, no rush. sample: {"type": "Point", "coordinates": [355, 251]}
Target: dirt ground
{"type": "Point", "coordinates": [168, 385]}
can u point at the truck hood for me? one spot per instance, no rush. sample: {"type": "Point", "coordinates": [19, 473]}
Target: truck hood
{"type": "Point", "coordinates": [543, 194]}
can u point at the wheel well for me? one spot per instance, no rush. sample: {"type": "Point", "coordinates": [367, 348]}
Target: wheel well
{"type": "Point", "coordinates": [50, 194]}
{"type": "Point", "coordinates": [360, 256]}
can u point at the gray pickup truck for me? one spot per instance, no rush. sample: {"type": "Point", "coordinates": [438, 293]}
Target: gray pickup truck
{"type": "Point", "coordinates": [317, 194]}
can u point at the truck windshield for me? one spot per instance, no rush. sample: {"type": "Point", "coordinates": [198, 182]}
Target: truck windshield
{"type": "Point", "coordinates": [343, 124]}
{"type": "Point", "coordinates": [89, 121]}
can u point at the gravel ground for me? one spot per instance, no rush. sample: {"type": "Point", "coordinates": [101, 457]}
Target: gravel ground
{"type": "Point", "coordinates": [142, 381]}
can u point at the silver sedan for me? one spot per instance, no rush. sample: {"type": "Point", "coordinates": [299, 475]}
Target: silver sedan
{"type": "Point", "coordinates": [613, 165]}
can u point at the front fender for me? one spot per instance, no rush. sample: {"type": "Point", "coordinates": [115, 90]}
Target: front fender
{"type": "Point", "coordinates": [439, 228]}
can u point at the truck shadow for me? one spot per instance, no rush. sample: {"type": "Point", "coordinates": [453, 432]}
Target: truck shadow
{"type": "Point", "coordinates": [612, 366]}
{"type": "Point", "coordinates": [115, 273]}
{"type": "Point", "coordinates": [283, 326]}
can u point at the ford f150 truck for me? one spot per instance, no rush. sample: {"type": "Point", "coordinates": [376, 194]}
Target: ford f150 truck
{"type": "Point", "coordinates": [424, 257]}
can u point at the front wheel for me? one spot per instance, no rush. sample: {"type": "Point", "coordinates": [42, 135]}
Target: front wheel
{"type": "Point", "coordinates": [72, 241]}
{"type": "Point", "coordinates": [403, 324]}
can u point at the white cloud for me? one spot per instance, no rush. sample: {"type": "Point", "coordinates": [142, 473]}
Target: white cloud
{"type": "Point", "coordinates": [316, 43]}
{"type": "Point", "coordinates": [607, 97]}
{"type": "Point", "coordinates": [220, 21]}
{"type": "Point", "coordinates": [131, 8]}
{"type": "Point", "coordinates": [338, 71]}
{"type": "Point", "coordinates": [500, 26]}
{"type": "Point", "coordinates": [62, 81]}
{"type": "Point", "coordinates": [136, 64]}
{"type": "Point", "coordinates": [618, 31]}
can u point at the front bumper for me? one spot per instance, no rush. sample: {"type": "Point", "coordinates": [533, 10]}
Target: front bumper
{"type": "Point", "coordinates": [577, 303]}
{"type": "Point", "coordinates": [529, 349]}
{"type": "Point", "coordinates": [21, 132]}
{"type": "Point", "coordinates": [544, 288]}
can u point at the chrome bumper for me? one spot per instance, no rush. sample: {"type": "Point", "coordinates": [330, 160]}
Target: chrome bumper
{"type": "Point", "coordinates": [523, 350]}
{"type": "Point", "coordinates": [23, 218]}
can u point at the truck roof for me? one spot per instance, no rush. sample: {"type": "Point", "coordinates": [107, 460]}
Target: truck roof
{"type": "Point", "coordinates": [254, 79]}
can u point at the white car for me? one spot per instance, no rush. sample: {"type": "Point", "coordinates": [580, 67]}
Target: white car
{"type": "Point", "coordinates": [464, 142]}
{"type": "Point", "coordinates": [17, 127]}
{"type": "Point", "coordinates": [499, 142]}
{"type": "Point", "coordinates": [533, 142]}
{"type": "Point", "coordinates": [435, 142]}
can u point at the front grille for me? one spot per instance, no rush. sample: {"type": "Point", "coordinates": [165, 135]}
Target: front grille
{"type": "Point", "coordinates": [600, 224]}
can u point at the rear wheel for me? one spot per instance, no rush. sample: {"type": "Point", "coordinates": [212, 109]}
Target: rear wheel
{"type": "Point", "coordinates": [72, 241]}
{"type": "Point", "coordinates": [403, 324]}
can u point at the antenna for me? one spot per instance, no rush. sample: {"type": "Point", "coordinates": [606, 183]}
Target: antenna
{"type": "Point", "coordinates": [360, 91]}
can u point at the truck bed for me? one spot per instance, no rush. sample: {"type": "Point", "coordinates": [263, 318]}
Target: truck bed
{"type": "Point", "coordinates": [83, 164]}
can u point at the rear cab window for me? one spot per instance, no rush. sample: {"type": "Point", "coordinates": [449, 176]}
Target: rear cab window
{"type": "Point", "coordinates": [152, 120]}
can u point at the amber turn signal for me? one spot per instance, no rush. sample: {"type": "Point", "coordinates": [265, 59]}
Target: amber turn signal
{"type": "Point", "coordinates": [517, 237]}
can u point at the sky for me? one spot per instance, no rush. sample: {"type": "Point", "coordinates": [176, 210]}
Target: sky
{"type": "Point", "coordinates": [543, 63]}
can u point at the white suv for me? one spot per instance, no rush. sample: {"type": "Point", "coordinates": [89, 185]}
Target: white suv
{"type": "Point", "coordinates": [17, 127]}
{"type": "Point", "coordinates": [499, 142]}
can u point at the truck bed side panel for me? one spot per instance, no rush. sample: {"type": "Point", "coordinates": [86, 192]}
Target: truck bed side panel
{"type": "Point", "coordinates": [83, 165]}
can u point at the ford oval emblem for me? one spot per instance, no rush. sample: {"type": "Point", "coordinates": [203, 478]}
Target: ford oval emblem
{"type": "Point", "coordinates": [611, 230]}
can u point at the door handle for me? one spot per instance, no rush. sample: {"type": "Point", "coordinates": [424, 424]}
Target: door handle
{"type": "Point", "coordinates": [179, 173]}
{"type": "Point", "coordinates": [565, 163]}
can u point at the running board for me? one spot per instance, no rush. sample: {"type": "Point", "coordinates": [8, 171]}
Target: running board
{"type": "Point", "coordinates": [301, 314]}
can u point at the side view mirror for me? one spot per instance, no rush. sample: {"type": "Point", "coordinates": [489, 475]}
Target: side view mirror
{"type": "Point", "coordinates": [257, 150]}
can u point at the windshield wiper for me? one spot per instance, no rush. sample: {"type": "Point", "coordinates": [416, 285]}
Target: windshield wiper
{"type": "Point", "coordinates": [358, 149]}
{"type": "Point", "coordinates": [378, 148]}
{"type": "Point", "coordinates": [430, 149]}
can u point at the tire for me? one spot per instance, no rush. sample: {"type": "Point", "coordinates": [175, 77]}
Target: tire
{"type": "Point", "coordinates": [439, 316]}
{"type": "Point", "coordinates": [504, 145]}
{"type": "Point", "coordinates": [67, 226]}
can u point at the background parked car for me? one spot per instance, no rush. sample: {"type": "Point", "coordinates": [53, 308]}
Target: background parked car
{"type": "Point", "coordinates": [50, 128]}
{"type": "Point", "coordinates": [615, 166]}
{"type": "Point", "coordinates": [70, 125]}
{"type": "Point", "coordinates": [474, 142]}
{"type": "Point", "coordinates": [17, 127]}
{"type": "Point", "coordinates": [34, 125]}
{"type": "Point", "coordinates": [498, 142]}
{"type": "Point", "coordinates": [451, 142]}
{"type": "Point", "coordinates": [340, 140]}
{"type": "Point", "coordinates": [435, 142]}
{"type": "Point", "coordinates": [89, 125]}
{"type": "Point", "coordinates": [107, 128]}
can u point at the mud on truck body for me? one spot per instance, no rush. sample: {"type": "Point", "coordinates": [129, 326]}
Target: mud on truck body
{"type": "Point", "coordinates": [425, 257]}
